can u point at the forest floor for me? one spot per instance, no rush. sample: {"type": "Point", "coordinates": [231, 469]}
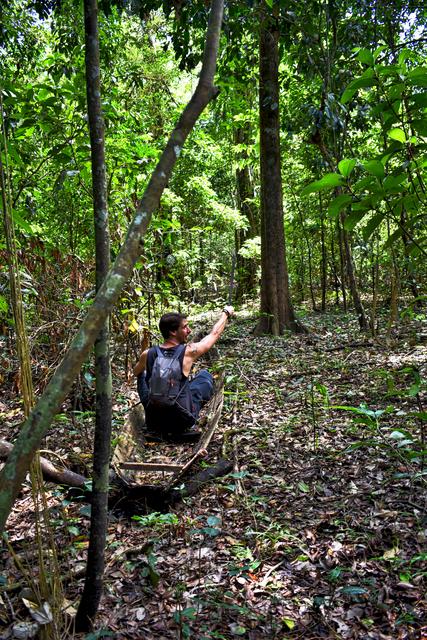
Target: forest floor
{"type": "Point", "coordinates": [320, 531]}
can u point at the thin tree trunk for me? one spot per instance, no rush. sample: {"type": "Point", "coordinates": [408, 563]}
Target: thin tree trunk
{"type": "Point", "coordinates": [375, 279]}
{"type": "Point", "coordinates": [351, 273]}
{"type": "Point", "coordinates": [246, 267]}
{"type": "Point", "coordinates": [334, 269]}
{"type": "Point", "coordinates": [277, 313]}
{"type": "Point", "coordinates": [342, 266]}
{"type": "Point", "coordinates": [92, 591]}
{"type": "Point", "coordinates": [33, 429]}
{"type": "Point", "coordinates": [323, 262]}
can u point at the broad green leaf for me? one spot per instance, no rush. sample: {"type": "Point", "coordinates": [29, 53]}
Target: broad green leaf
{"type": "Point", "coordinates": [366, 56]}
{"type": "Point", "coordinates": [397, 134]}
{"type": "Point", "coordinates": [418, 77]}
{"type": "Point", "coordinates": [352, 219]}
{"type": "Point", "coordinates": [388, 70]}
{"type": "Point", "coordinates": [375, 168]}
{"type": "Point", "coordinates": [420, 127]}
{"type": "Point", "coordinates": [406, 54]}
{"type": "Point", "coordinates": [329, 181]}
{"type": "Point", "coordinates": [420, 100]}
{"type": "Point", "coordinates": [379, 50]}
{"type": "Point", "coordinates": [338, 204]}
{"type": "Point", "coordinates": [345, 167]}
{"type": "Point", "coordinates": [21, 223]}
{"type": "Point", "coordinates": [391, 182]}
{"type": "Point", "coordinates": [359, 83]}
{"type": "Point", "coordinates": [372, 225]}
{"type": "Point", "coordinates": [363, 184]}
{"type": "Point", "coordinates": [303, 486]}
{"type": "Point", "coordinates": [270, 3]}
{"type": "Point", "coordinates": [395, 91]}
{"type": "Point", "coordinates": [394, 236]}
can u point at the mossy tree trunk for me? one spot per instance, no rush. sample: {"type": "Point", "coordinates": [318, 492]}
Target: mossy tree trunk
{"type": "Point", "coordinates": [34, 428]}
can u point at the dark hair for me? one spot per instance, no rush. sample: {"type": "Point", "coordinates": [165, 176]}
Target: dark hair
{"type": "Point", "coordinates": [170, 322]}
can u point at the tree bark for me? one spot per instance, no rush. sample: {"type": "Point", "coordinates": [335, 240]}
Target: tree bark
{"type": "Point", "coordinates": [246, 267]}
{"type": "Point", "coordinates": [49, 471]}
{"type": "Point", "coordinates": [277, 313]}
{"type": "Point", "coordinates": [92, 591]}
{"type": "Point", "coordinates": [35, 427]}
{"type": "Point", "coordinates": [351, 274]}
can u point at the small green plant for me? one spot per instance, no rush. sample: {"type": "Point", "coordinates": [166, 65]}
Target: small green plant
{"type": "Point", "coordinates": [157, 520]}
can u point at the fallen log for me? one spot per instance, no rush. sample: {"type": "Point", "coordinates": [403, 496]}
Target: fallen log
{"type": "Point", "coordinates": [49, 471]}
{"type": "Point", "coordinates": [136, 499]}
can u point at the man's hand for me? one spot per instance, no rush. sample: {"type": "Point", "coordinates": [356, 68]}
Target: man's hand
{"type": "Point", "coordinates": [228, 309]}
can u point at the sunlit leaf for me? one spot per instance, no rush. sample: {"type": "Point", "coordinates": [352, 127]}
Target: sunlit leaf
{"type": "Point", "coordinates": [345, 167]}
{"type": "Point", "coordinates": [397, 134]}
{"type": "Point", "coordinates": [375, 168]}
{"type": "Point", "coordinates": [329, 181]}
{"type": "Point", "coordinates": [366, 56]}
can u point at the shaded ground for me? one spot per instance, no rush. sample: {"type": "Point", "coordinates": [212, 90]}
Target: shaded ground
{"type": "Point", "coordinates": [319, 533]}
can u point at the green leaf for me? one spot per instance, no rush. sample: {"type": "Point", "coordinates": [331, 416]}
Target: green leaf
{"type": "Point", "coordinates": [394, 236]}
{"type": "Point", "coordinates": [420, 100]}
{"type": "Point", "coordinates": [420, 127]}
{"type": "Point", "coordinates": [289, 623]}
{"type": "Point", "coordinates": [392, 182]}
{"type": "Point", "coordinates": [366, 56]}
{"type": "Point", "coordinates": [363, 184]}
{"type": "Point", "coordinates": [372, 225]}
{"type": "Point", "coordinates": [270, 3]}
{"type": "Point", "coordinates": [353, 219]}
{"type": "Point", "coordinates": [397, 134]}
{"type": "Point", "coordinates": [338, 204]}
{"type": "Point", "coordinates": [3, 304]}
{"type": "Point", "coordinates": [359, 83]}
{"type": "Point", "coordinates": [418, 77]}
{"type": "Point", "coordinates": [21, 223]}
{"type": "Point", "coordinates": [375, 168]}
{"type": "Point", "coordinates": [329, 181]}
{"type": "Point", "coordinates": [345, 167]}
{"type": "Point", "coordinates": [302, 486]}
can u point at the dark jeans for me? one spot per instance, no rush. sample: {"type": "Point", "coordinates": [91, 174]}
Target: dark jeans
{"type": "Point", "coordinates": [201, 387]}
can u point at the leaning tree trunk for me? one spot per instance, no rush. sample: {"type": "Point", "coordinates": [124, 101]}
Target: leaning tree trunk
{"type": "Point", "coordinates": [33, 429]}
{"type": "Point", "coordinates": [92, 591]}
{"type": "Point", "coordinates": [277, 313]}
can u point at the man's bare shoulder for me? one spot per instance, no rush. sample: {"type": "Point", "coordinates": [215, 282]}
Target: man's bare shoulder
{"type": "Point", "coordinates": [193, 349]}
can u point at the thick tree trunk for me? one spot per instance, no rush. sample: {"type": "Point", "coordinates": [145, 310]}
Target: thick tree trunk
{"type": "Point", "coordinates": [277, 313]}
{"type": "Point", "coordinates": [92, 591]}
{"type": "Point", "coordinates": [35, 427]}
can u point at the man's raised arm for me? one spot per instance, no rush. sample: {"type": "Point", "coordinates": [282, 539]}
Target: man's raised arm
{"type": "Point", "coordinates": [197, 349]}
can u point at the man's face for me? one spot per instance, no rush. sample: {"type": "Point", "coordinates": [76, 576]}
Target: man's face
{"type": "Point", "coordinates": [183, 332]}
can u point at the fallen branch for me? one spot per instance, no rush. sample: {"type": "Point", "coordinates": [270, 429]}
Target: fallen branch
{"type": "Point", "coordinates": [49, 471]}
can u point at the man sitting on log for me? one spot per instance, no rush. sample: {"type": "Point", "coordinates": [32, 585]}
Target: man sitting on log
{"type": "Point", "coordinates": [171, 401]}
